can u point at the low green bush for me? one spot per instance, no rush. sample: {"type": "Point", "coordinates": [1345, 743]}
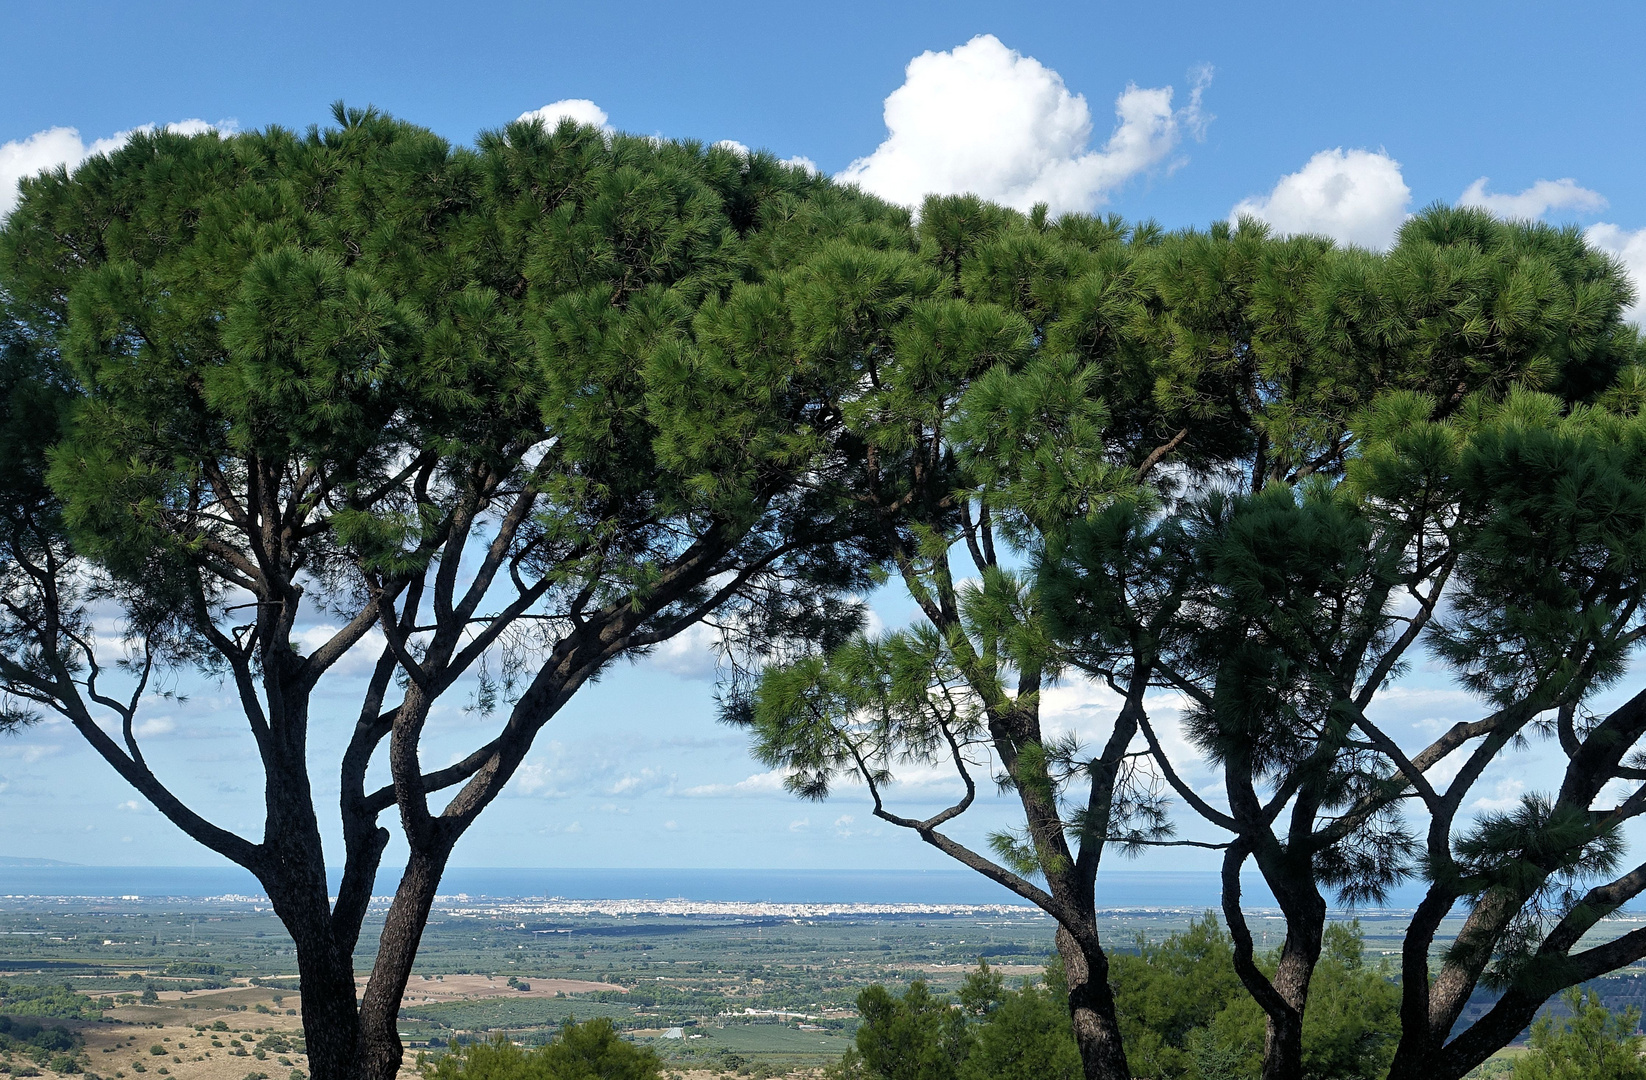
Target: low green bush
{"type": "Point", "coordinates": [592, 1050]}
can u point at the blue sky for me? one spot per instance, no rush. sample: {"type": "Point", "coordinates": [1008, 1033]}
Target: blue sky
{"type": "Point", "coordinates": [1338, 118]}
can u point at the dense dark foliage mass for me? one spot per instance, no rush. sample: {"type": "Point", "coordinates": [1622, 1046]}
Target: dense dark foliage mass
{"type": "Point", "coordinates": [1183, 1015]}
{"type": "Point", "coordinates": [30, 1033]}
{"type": "Point", "coordinates": [505, 415]}
{"type": "Point", "coordinates": [59, 1002]}
{"type": "Point", "coordinates": [31, 1025]}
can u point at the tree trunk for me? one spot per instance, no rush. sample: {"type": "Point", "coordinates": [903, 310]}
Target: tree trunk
{"type": "Point", "coordinates": [331, 1023]}
{"type": "Point", "coordinates": [331, 1018]}
{"type": "Point", "coordinates": [1091, 1008]}
{"type": "Point", "coordinates": [1283, 1045]}
{"type": "Point", "coordinates": [1508, 1018]}
{"type": "Point", "coordinates": [1415, 1053]}
{"type": "Point", "coordinates": [1422, 1052]}
{"type": "Point", "coordinates": [381, 1050]}
{"type": "Point", "coordinates": [295, 878]}
{"type": "Point", "coordinates": [1283, 1034]}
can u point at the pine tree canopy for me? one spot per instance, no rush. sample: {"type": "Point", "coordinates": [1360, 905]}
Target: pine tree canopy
{"type": "Point", "coordinates": [1228, 467]}
{"type": "Point", "coordinates": [502, 415]}
{"type": "Point", "coordinates": [507, 412]}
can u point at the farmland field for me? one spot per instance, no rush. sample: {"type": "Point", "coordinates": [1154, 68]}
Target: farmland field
{"type": "Point", "coordinates": [710, 987]}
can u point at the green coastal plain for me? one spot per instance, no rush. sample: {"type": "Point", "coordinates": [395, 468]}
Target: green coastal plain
{"type": "Point", "coordinates": [767, 992]}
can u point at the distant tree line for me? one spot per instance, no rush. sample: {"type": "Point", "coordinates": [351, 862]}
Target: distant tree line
{"type": "Point", "coordinates": [505, 415]}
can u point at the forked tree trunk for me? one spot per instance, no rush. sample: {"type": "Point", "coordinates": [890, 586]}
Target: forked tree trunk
{"type": "Point", "coordinates": [293, 872]}
{"type": "Point", "coordinates": [1415, 1053]}
{"type": "Point", "coordinates": [1283, 997]}
{"type": "Point", "coordinates": [1091, 1008]}
{"type": "Point", "coordinates": [1430, 1010]}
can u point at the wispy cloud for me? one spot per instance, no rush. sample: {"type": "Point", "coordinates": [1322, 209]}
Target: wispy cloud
{"type": "Point", "coordinates": [766, 783]}
{"type": "Point", "coordinates": [1541, 198]}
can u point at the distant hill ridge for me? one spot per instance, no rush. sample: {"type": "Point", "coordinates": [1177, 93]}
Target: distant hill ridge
{"type": "Point", "coordinates": [13, 860]}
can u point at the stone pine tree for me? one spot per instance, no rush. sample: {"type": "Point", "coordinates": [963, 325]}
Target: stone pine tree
{"type": "Point", "coordinates": [1305, 599]}
{"type": "Point", "coordinates": [1028, 383]}
{"type": "Point", "coordinates": [511, 413]}
{"type": "Point", "coordinates": [1145, 370]}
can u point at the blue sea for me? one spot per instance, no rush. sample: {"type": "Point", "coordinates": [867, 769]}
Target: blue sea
{"type": "Point", "coordinates": [1117, 889]}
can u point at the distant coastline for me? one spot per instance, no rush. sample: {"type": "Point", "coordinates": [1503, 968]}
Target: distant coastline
{"type": "Point", "coordinates": [1117, 889]}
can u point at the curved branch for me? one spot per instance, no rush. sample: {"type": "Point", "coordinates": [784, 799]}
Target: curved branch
{"type": "Point", "coordinates": [1187, 793]}
{"type": "Point", "coordinates": [966, 856]}
{"type": "Point", "coordinates": [1158, 454]}
{"type": "Point", "coordinates": [230, 845]}
{"type": "Point", "coordinates": [384, 797]}
{"type": "Point", "coordinates": [318, 662]}
{"type": "Point", "coordinates": [1245, 961]}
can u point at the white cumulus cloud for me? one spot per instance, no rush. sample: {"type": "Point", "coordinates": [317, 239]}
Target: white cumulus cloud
{"type": "Point", "coordinates": [1628, 248]}
{"type": "Point", "coordinates": [1535, 201]}
{"type": "Point", "coordinates": [577, 110]}
{"type": "Point", "coordinates": [1353, 196]}
{"type": "Point", "coordinates": [988, 120]}
{"type": "Point", "coordinates": [537, 778]}
{"type": "Point", "coordinates": [46, 150]}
